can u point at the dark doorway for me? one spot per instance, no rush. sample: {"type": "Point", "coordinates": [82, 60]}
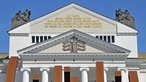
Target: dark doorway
{"type": "Point", "coordinates": [35, 80]}
{"type": "Point", "coordinates": [66, 76]}
{"type": "Point", "coordinates": [118, 79]}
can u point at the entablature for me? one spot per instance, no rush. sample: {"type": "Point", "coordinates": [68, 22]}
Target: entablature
{"type": "Point", "coordinates": [74, 56]}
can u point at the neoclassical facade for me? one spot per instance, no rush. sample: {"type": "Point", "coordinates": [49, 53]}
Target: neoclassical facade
{"type": "Point", "coordinates": [73, 44]}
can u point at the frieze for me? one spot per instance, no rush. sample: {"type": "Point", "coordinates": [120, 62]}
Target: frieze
{"type": "Point", "coordinates": [72, 21]}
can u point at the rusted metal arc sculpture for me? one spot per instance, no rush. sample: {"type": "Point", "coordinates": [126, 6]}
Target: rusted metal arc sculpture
{"type": "Point", "coordinates": [11, 69]}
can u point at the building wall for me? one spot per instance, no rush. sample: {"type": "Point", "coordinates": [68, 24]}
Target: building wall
{"type": "Point", "coordinates": [2, 77]}
{"type": "Point", "coordinates": [17, 43]}
{"type": "Point", "coordinates": [20, 42]}
{"type": "Point", "coordinates": [128, 42]}
{"type": "Point", "coordinates": [142, 77]}
{"type": "Point", "coordinates": [18, 77]}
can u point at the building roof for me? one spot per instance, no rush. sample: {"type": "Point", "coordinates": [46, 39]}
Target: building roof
{"type": "Point", "coordinates": [3, 55]}
{"type": "Point", "coordinates": [142, 55]}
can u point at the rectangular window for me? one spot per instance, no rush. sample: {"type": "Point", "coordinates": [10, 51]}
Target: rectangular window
{"type": "Point", "coordinates": [96, 36]}
{"type": "Point", "coordinates": [37, 39]}
{"type": "Point", "coordinates": [109, 40]}
{"type": "Point", "coordinates": [101, 37]}
{"type": "Point", "coordinates": [113, 39]}
{"type": "Point", "coordinates": [49, 37]}
{"type": "Point", "coordinates": [41, 38]}
{"type": "Point", "coordinates": [45, 37]}
{"type": "Point", "coordinates": [33, 39]}
{"type": "Point", "coordinates": [104, 38]}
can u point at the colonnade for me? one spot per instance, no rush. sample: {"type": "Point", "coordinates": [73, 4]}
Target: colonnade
{"type": "Point", "coordinates": [45, 77]}
{"type": "Point", "coordinates": [84, 74]}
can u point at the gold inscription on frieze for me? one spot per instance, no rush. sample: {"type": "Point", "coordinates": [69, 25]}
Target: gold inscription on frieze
{"type": "Point", "coordinates": [72, 21]}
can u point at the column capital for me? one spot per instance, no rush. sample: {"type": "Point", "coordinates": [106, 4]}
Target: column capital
{"type": "Point", "coordinates": [106, 69]}
{"type": "Point", "coordinates": [25, 69]}
{"type": "Point", "coordinates": [25, 74]}
{"type": "Point", "coordinates": [84, 68]}
{"type": "Point", "coordinates": [44, 69]}
{"type": "Point", "coordinates": [122, 69]}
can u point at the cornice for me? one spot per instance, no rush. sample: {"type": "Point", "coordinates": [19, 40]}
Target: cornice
{"type": "Point", "coordinates": [74, 56]}
{"type": "Point", "coordinates": [19, 34]}
{"type": "Point", "coordinates": [126, 34]}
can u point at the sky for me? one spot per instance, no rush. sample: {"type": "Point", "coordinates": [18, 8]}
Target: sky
{"type": "Point", "coordinates": [38, 8]}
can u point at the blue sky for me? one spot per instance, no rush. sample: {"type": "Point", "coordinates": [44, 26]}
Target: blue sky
{"type": "Point", "coordinates": [38, 8]}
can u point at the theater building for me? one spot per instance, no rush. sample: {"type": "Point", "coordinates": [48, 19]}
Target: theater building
{"type": "Point", "coordinates": [73, 44]}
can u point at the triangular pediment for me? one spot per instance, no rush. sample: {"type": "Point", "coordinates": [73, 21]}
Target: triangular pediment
{"type": "Point", "coordinates": [73, 17]}
{"type": "Point", "coordinates": [70, 17]}
{"type": "Point", "coordinates": [59, 47]}
{"type": "Point", "coordinates": [77, 36]}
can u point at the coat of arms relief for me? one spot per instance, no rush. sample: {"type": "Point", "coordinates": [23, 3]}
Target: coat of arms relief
{"type": "Point", "coordinates": [74, 45]}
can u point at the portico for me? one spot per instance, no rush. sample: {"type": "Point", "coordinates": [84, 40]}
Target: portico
{"type": "Point", "coordinates": [84, 74]}
{"type": "Point", "coordinates": [84, 70]}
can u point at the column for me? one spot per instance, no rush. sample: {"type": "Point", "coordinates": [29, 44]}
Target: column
{"type": "Point", "coordinates": [123, 74]}
{"type": "Point", "coordinates": [62, 74]}
{"type": "Point", "coordinates": [105, 74]}
{"type": "Point", "coordinates": [45, 77]}
{"type": "Point", "coordinates": [84, 74]}
{"type": "Point", "coordinates": [138, 75]}
{"type": "Point", "coordinates": [127, 77]}
{"type": "Point", "coordinates": [25, 77]}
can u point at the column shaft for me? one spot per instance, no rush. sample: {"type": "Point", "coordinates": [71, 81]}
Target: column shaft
{"type": "Point", "coordinates": [62, 75]}
{"type": "Point", "coordinates": [105, 76]}
{"type": "Point", "coordinates": [25, 76]}
{"type": "Point", "coordinates": [84, 76]}
{"type": "Point", "coordinates": [127, 77]}
{"type": "Point", "coordinates": [123, 75]}
{"type": "Point", "coordinates": [45, 77]}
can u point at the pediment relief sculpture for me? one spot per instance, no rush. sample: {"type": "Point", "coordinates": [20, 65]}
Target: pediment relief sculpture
{"type": "Point", "coordinates": [74, 45]}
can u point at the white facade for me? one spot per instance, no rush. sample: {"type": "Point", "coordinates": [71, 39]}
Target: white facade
{"type": "Point", "coordinates": [116, 46]}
